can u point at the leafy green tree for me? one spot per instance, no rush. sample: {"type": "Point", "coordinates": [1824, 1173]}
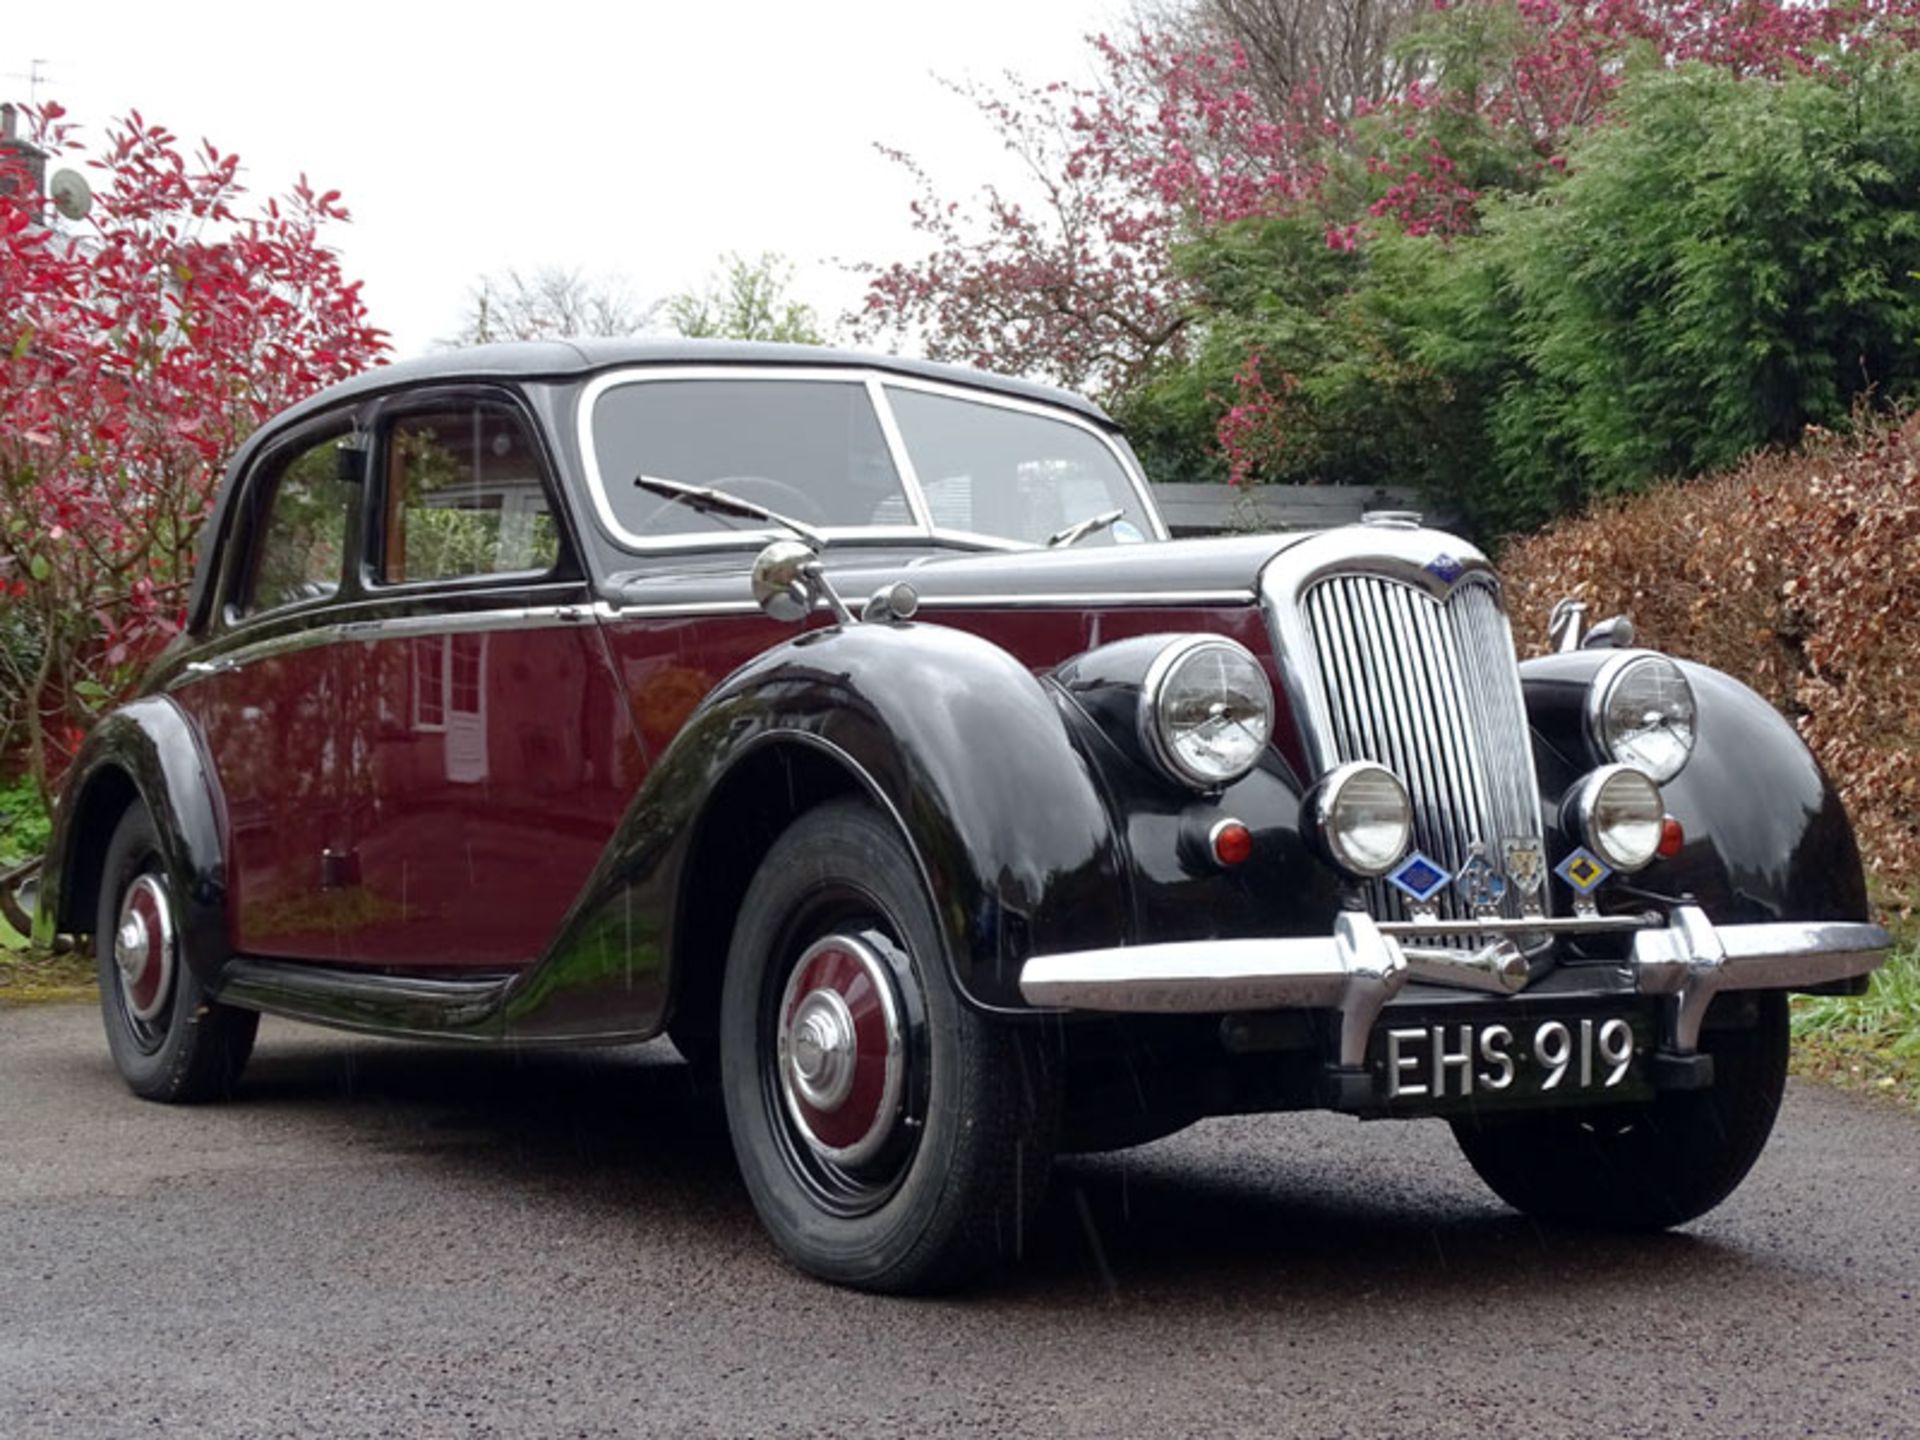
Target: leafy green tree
{"type": "Point", "coordinates": [1728, 263]}
{"type": "Point", "coordinates": [746, 300]}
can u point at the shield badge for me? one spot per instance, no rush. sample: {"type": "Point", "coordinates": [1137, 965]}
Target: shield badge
{"type": "Point", "coordinates": [1526, 865]}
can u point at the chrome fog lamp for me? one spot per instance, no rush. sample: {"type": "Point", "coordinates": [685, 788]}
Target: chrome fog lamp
{"type": "Point", "coordinates": [1362, 817]}
{"type": "Point", "coordinates": [1618, 815]}
{"type": "Point", "coordinates": [1206, 711]}
{"type": "Point", "coordinates": [1641, 713]}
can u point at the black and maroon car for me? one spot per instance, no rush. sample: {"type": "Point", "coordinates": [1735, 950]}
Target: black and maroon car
{"type": "Point", "coordinates": [853, 722]}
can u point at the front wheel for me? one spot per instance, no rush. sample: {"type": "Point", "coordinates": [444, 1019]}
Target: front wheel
{"type": "Point", "coordinates": [170, 1041]}
{"type": "Point", "coordinates": [891, 1138]}
{"type": "Point", "coordinates": [1647, 1166]}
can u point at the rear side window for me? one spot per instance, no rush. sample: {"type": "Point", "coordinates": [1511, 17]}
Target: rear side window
{"type": "Point", "coordinates": [301, 546]}
{"type": "Point", "coordinates": [464, 497]}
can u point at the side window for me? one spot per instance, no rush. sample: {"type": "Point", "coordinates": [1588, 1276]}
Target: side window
{"type": "Point", "coordinates": [301, 547]}
{"type": "Point", "coordinates": [463, 497]}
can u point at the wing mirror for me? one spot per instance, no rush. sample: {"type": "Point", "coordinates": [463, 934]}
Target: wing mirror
{"type": "Point", "coordinates": [788, 582]}
{"type": "Point", "coordinates": [1564, 634]}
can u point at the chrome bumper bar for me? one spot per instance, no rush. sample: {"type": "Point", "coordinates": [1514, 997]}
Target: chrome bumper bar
{"type": "Point", "coordinates": [1363, 965]}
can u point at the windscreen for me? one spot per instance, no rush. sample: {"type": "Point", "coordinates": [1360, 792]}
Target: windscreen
{"type": "Point", "coordinates": [812, 450]}
{"type": "Point", "coordinates": [989, 470]}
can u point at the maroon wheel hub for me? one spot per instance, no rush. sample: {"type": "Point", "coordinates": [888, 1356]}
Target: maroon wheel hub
{"type": "Point", "coordinates": [143, 948]}
{"type": "Point", "coordinates": [841, 1050]}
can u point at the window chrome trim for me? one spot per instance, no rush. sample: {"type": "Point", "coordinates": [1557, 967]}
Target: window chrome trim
{"type": "Point", "coordinates": [875, 383]}
{"type": "Point", "coordinates": [1086, 599]}
{"type": "Point", "coordinates": [903, 465]}
{"type": "Point", "coordinates": [545, 617]}
{"type": "Point", "coordinates": [1122, 457]}
{"type": "Point", "coordinates": [399, 627]}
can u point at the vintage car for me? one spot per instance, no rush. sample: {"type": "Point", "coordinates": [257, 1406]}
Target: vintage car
{"type": "Point", "coordinates": [854, 722]}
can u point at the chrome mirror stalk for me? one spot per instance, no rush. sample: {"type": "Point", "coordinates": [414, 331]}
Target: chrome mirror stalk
{"type": "Point", "coordinates": [788, 581]}
{"type": "Point", "coordinates": [1563, 625]}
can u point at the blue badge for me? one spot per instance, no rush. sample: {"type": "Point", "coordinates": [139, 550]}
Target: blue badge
{"type": "Point", "coordinates": [1419, 877]}
{"type": "Point", "coordinates": [1444, 568]}
{"type": "Point", "coordinates": [1479, 884]}
{"type": "Point", "coordinates": [1583, 870]}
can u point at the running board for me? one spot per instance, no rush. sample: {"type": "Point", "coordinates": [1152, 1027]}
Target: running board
{"type": "Point", "coordinates": [379, 1004]}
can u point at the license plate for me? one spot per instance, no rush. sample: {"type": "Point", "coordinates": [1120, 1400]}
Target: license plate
{"type": "Point", "coordinates": [1438, 1061]}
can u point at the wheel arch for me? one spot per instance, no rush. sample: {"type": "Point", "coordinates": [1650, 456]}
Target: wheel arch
{"type": "Point", "coordinates": [777, 779]}
{"type": "Point", "coordinates": [1768, 837]}
{"type": "Point", "coordinates": [145, 753]}
{"type": "Point", "coordinates": [954, 737]}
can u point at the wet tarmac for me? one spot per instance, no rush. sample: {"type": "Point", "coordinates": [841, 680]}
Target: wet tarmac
{"type": "Point", "coordinates": [378, 1239]}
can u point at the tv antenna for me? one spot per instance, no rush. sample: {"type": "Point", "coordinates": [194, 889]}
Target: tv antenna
{"type": "Point", "coordinates": [35, 75]}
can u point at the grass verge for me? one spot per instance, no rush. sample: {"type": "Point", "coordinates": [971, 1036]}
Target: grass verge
{"type": "Point", "coordinates": [31, 977]}
{"type": "Point", "coordinates": [1871, 1042]}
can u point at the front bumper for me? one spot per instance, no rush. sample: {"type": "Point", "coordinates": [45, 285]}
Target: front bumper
{"type": "Point", "coordinates": [1686, 961]}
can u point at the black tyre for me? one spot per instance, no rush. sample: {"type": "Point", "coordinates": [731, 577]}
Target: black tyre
{"type": "Point", "coordinates": [891, 1138]}
{"type": "Point", "coordinates": [169, 1040]}
{"type": "Point", "coordinates": [1644, 1167]}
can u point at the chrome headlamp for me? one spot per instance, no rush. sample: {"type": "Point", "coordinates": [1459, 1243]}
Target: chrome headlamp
{"type": "Point", "coordinates": [1641, 712]}
{"type": "Point", "coordinates": [1206, 711]}
{"type": "Point", "coordinates": [1362, 818]}
{"type": "Point", "coordinates": [1618, 814]}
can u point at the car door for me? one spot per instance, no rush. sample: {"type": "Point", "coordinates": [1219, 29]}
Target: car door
{"type": "Point", "coordinates": [490, 753]}
{"type": "Point", "coordinates": [265, 692]}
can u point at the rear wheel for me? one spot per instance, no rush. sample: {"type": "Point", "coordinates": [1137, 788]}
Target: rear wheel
{"type": "Point", "coordinates": [1644, 1167]}
{"type": "Point", "coordinates": [891, 1138]}
{"type": "Point", "coordinates": [169, 1040]}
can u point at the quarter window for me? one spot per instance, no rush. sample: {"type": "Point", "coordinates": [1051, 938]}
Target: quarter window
{"type": "Point", "coordinates": [303, 542]}
{"type": "Point", "coordinates": [464, 497]}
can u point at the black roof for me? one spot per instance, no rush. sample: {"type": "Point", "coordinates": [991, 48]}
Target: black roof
{"type": "Point", "coordinates": [571, 359]}
{"type": "Point", "coordinates": [566, 359]}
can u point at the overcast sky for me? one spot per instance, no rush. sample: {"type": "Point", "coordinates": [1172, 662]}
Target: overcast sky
{"type": "Point", "coordinates": [641, 140]}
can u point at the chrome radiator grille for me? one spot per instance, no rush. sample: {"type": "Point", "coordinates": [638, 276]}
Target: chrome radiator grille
{"type": "Point", "coordinates": [1429, 688]}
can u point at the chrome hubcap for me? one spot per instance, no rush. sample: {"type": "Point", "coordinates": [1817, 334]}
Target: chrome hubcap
{"type": "Point", "coordinates": [841, 1051]}
{"type": "Point", "coordinates": [130, 948]}
{"type": "Point", "coordinates": [822, 1049]}
{"type": "Point", "coordinates": [144, 949]}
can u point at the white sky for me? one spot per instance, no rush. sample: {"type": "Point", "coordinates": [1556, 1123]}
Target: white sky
{"type": "Point", "coordinates": [639, 140]}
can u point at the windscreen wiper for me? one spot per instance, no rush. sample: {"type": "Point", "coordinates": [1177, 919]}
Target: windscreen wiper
{"type": "Point", "coordinates": [718, 502]}
{"type": "Point", "coordinates": [1080, 529]}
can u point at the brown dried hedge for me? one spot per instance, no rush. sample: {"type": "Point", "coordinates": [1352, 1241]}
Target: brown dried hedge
{"type": "Point", "coordinates": [1798, 573]}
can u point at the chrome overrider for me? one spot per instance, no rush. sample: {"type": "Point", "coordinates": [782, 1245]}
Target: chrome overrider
{"type": "Point", "coordinates": [1685, 960]}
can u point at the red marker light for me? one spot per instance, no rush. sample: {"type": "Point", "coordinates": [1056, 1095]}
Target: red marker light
{"type": "Point", "coordinates": [1672, 837]}
{"type": "Point", "coordinates": [1232, 843]}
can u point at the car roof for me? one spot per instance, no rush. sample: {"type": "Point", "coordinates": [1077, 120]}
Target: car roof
{"type": "Point", "coordinates": [569, 360]}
